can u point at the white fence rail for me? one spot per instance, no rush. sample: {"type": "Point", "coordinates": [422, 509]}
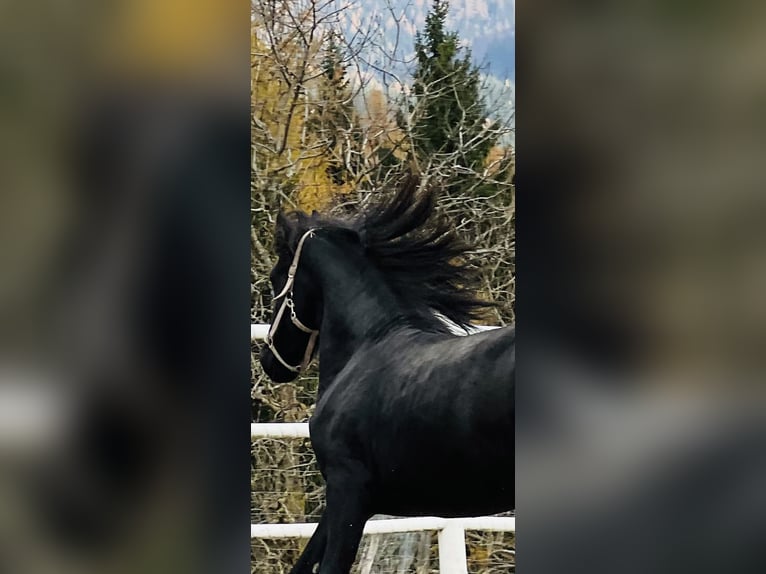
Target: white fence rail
{"type": "Point", "coordinates": [452, 556]}
{"type": "Point", "coordinates": [391, 525]}
{"type": "Point", "coordinates": [258, 331]}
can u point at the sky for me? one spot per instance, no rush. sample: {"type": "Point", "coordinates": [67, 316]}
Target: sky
{"type": "Point", "coordinates": [488, 27]}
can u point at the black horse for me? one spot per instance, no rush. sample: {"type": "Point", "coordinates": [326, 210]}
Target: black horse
{"type": "Point", "coordinates": [411, 419]}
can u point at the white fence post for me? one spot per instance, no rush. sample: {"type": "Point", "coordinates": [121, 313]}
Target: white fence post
{"type": "Point", "coordinates": [452, 558]}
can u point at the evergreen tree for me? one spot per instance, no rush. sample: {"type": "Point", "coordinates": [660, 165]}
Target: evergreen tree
{"type": "Point", "coordinates": [448, 113]}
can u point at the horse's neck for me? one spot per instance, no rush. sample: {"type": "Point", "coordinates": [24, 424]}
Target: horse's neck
{"type": "Point", "coordinates": [356, 301]}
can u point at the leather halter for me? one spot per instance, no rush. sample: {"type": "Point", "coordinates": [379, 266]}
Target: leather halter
{"type": "Point", "coordinates": [289, 303]}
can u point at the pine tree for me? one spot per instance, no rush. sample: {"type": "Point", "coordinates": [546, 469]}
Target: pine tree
{"type": "Point", "coordinates": [448, 113]}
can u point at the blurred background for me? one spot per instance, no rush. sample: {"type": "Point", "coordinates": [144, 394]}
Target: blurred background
{"type": "Point", "coordinates": [641, 443]}
{"type": "Point", "coordinates": [123, 287]}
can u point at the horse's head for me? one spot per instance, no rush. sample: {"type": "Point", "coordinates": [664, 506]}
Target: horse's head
{"type": "Point", "coordinates": [297, 312]}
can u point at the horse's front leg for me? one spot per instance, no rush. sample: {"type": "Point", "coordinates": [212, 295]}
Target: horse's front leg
{"type": "Point", "coordinates": [348, 508]}
{"type": "Point", "coordinates": [312, 554]}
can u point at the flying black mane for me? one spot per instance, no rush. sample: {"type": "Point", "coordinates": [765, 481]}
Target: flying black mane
{"type": "Point", "coordinates": [418, 252]}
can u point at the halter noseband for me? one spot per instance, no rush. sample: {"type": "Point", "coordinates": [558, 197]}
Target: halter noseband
{"type": "Point", "coordinates": [287, 302]}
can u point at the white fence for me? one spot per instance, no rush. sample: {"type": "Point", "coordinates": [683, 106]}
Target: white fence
{"type": "Point", "coordinates": [452, 556]}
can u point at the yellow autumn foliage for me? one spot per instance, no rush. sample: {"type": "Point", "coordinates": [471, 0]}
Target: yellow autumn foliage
{"type": "Point", "coordinates": [169, 38]}
{"type": "Point", "coordinates": [284, 149]}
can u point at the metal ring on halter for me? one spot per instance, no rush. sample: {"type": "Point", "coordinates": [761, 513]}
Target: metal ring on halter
{"type": "Point", "coordinates": [287, 293]}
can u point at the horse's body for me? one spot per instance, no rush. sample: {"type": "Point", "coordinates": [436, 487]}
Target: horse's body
{"type": "Point", "coordinates": [410, 419]}
{"type": "Point", "coordinates": [431, 417]}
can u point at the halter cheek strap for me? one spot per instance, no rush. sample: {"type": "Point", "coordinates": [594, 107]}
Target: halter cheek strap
{"type": "Point", "coordinates": [289, 303]}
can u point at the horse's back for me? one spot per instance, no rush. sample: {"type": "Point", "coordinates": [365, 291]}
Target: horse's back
{"type": "Point", "coordinates": [468, 379]}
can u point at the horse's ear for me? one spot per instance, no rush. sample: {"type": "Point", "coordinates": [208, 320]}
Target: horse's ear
{"type": "Point", "coordinates": [282, 232]}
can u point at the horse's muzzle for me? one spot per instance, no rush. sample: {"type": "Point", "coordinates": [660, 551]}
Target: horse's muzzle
{"type": "Point", "coordinates": [274, 369]}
